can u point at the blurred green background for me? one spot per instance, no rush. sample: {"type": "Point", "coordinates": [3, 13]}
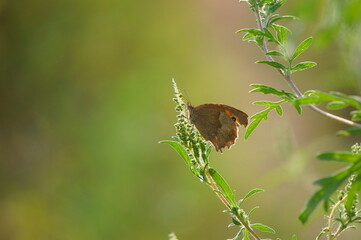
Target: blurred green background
{"type": "Point", "coordinates": [86, 95]}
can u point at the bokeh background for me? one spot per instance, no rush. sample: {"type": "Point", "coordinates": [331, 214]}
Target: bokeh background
{"type": "Point", "coordinates": [86, 95]}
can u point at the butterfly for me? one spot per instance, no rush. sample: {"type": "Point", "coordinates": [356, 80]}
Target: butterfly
{"type": "Point", "coordinates": [217, 123]}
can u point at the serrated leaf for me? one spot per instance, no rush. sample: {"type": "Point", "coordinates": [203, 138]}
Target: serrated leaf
{"type": "Point", "coordinates": [180, 150]}
{"type": "Point", "coordinates": [315, 199]}
{"type": "Point", "coordinates": [319, 96]}
{"type": "Point", "coordinates": [223, 185]}
{"type": "Point", "coordinates": [262, 227]}
{"type": "Point", "coordinates": [274, 64]}
{"type": "Point", "coordinates": [335, 105]}
{"type": "Point", "coordinates": [270, 90]}
{"type": "Point", "coordinates": [266, 103]}
{"type": "Point", "coordinates": [251, 127]}
{"type": "Point", "coordinates": [302, 47]}
{"type": "Point", "coordinates": [264, 89]}
{"type": "Point", "coordinates": [262, 114]}
{"type": "Point", "coordinates": [328, 186]}
{"type": "Point", "coordinates": [302, 66]}
{"type": "Point", "coordinates": [347, 157]}
{"type": "Point", "coordinates": [257, 118]}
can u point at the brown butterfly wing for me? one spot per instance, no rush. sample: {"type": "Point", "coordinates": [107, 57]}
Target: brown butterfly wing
{"type": "Point", "coordinates": [227, 134]}
{"type": "Point", "coordinates": [217, 123]}
{"type": "Point", "coordinates": [206, 121]}
{"type": "Point", "coordinates": [239, 117]}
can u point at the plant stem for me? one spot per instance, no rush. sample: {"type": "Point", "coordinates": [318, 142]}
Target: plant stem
{"type": "Point", "coordinates": [330, 220]}
{"type": "Point", "coordinates": [293, 85]}
{"type": "Point", "coordinates": [217, 191]}
{"type": "Point", "coordinates": [225, 202]}
{"type": "Point", "coordinates": [313, 107]}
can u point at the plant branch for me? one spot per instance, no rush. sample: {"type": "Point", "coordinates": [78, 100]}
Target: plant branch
{"type": "Point", "coordinates": [217, 191]}
{"type": "Point", "coordinates": [293, 85]}
{"type": "Point", "coordinates": [330, 220]}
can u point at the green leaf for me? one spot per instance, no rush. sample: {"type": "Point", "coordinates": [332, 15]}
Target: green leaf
{"type": "Point", "coordinates": [257, 118]}
{"type": "Point", "coordinates": [302, 47]}
{"type": "Point", "coordinates": [274, 64]}
{"type": "Point", "coordinates": [281, 33]}
{"type": "Point", "coordinates": [356, 115]}
{"type": "Point", "coordinates": [347, 157]}
{"type": "Point", "coordinates": [348, 132]}
{"type": "Point", "coordinates": [274, 53]}
{"type": "Point", "coordinates": [236, 222]}
{"type": "Point", "coordinates": [279, 110]}
{"type": "Point", "coordinates": [353, 101]}
{"type": "Point", "coordinates": [247, 36]}
{"type": "Point", "coordinates": [264, 89]}
{"type": "Point", "coordinates": [336, 105]}
{"type": "Point", "coordinates": [298, 108]}
{"type": "Point", "coordinates": [252, 210]}
{"type": "Point", "coordinates": [266, 103]}
{"type": "Point", "coordinates": [263, 227]}
{"type": "Point", "coordinates": [328, 186]}
{"type": "Point", "coordinates": [180, 150]}
{"type": "Point", "coordinates": [269, 35]}
{"type": "Point", "coordinates": [269, 90]}
{"type": "Point", "coordinates": [251, 127]}
{"type": "Point", "coordinates": [302, 66]}
{"type": "Point", "coordinates": [322, 194]}
{"type": "Point", "coordinates": [294, 237]}
{"type": "Point", "coordinates": [223, 185]}
{"type": "Point", "coordinates": [271, 7]}
{"type": "Point", "coordinates": [276, 18]}
{"type": "Point", "coordinates": [316, 97]}
{"type": "Point", "coordinates": [253, 31]}
{"type": "Point", "coordinates": [252, 192]}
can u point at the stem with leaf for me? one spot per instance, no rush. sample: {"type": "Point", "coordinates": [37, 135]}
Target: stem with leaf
{"type": "Point", "coordinates": [195, 152]}
{"type": "Point", "coordinates": [286, 74]}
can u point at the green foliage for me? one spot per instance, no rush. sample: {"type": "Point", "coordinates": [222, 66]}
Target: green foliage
{"type": "Point", "coordinates": [349, 132]}
{"type": "Point", "coordinates": [344, 212]}
{"type": "Point", "coordinates": [337, 100]}
{"type": "Point", "coordinates": [304, 45]}
{"type": "Point", "coordinates": [330, 184]}
{"type": "Point", "coordinates": [195, 151]}
{"type": "Point", "coordinates": [263, 115]}
{"type": "Point", "coordinates": [226, 191]}
{"type": "Point", "coordinates": [270, 31]}
{"type": "Point", "coordinates": [262, 227]}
